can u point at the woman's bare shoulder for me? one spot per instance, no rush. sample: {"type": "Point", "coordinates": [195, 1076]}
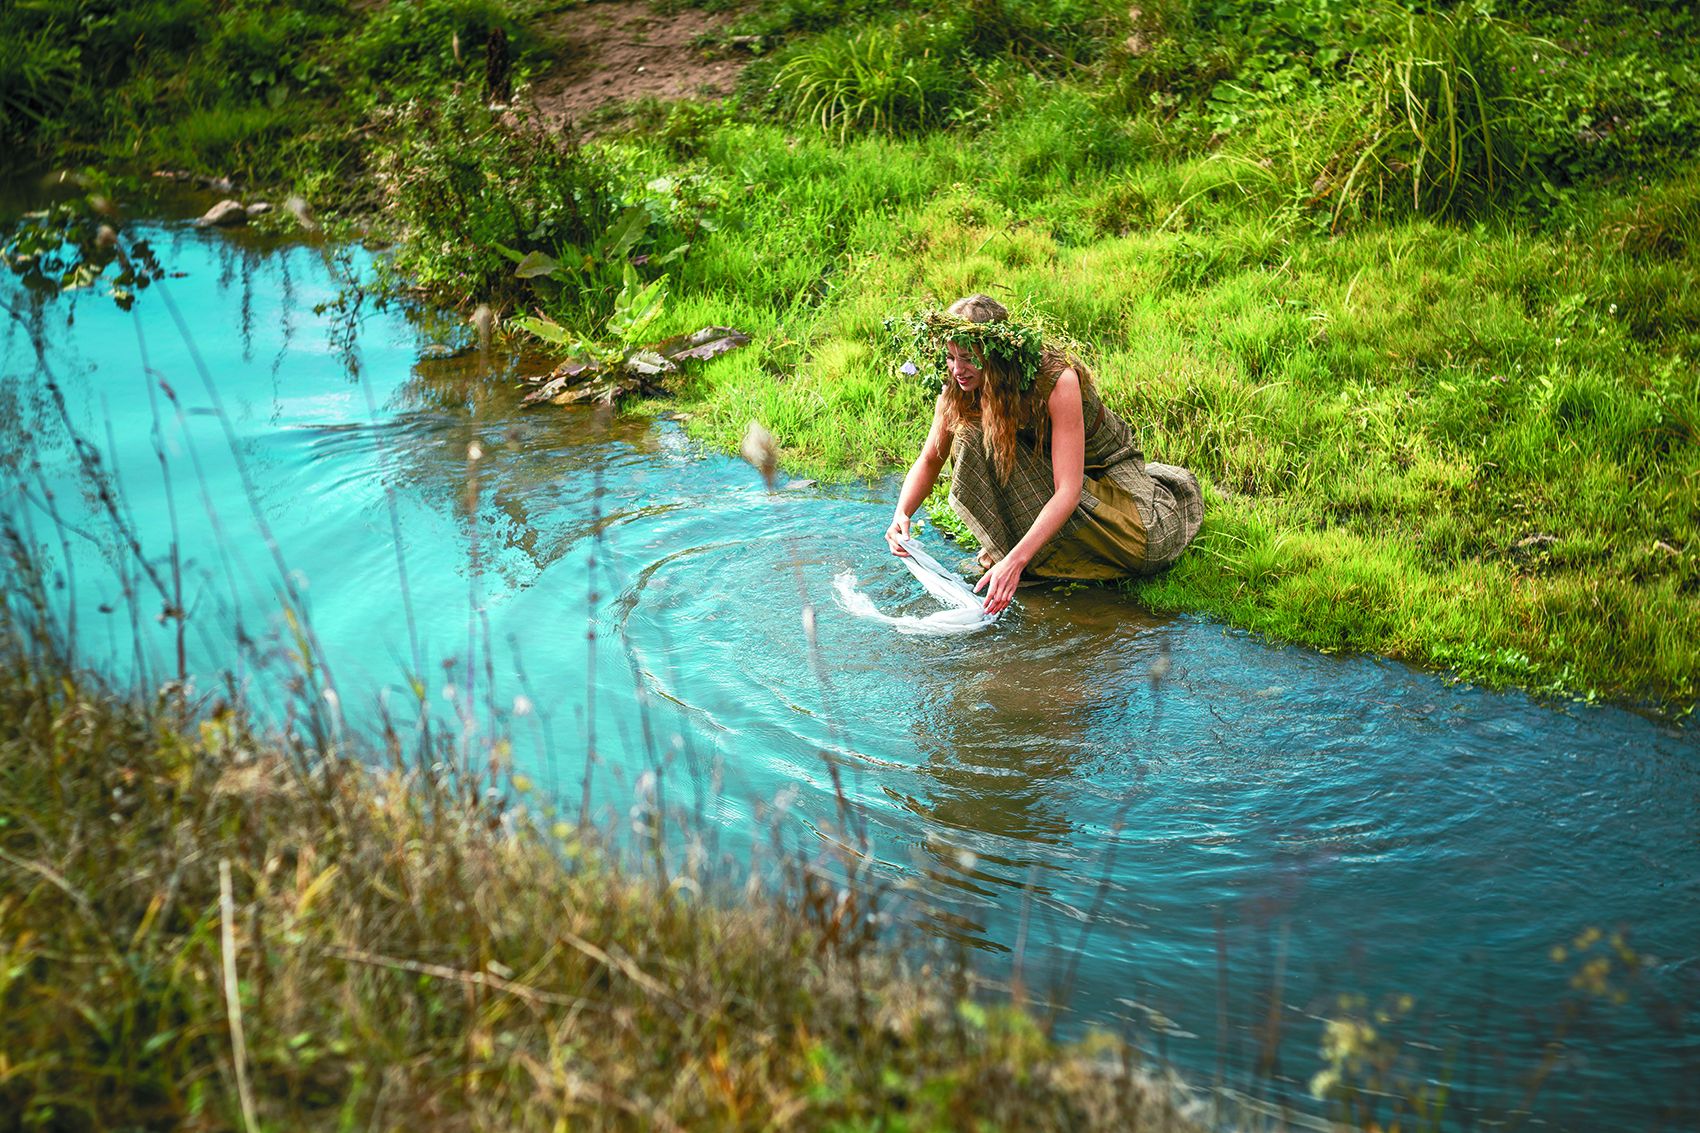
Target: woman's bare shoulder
{"type": "Point", "coordinates": [1067, 386]}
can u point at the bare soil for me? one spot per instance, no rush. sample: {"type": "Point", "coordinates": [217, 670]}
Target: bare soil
{"type": "Point", "coordinates": [619, 51]}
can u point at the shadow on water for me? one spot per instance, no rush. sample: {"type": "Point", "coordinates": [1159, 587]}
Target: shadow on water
{"type": "Point", "coordinates": [1264, 863]}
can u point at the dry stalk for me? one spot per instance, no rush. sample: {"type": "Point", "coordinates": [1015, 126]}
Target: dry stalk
{"type": "Point", "coordinates": [443, 972]}
{"type": "Point", "coordinates": [232, 996]}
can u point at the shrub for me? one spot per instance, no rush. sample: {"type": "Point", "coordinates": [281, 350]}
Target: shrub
{"type": "Point", "coordinates": [254, 52]}
{"type": "Point", "coordinates": [414, 40]}
{"type": "Point", "coordinates": [477, 183]}
{"type": "Point", "coordinates": [1614, 90]}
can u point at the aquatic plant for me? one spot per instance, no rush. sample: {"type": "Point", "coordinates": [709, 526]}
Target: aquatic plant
{"type": "Point", "coordinates": [71, 244]}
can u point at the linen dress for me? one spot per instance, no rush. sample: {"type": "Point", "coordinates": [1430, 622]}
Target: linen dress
{"type": "Point", "coordinates": [1133, 518]}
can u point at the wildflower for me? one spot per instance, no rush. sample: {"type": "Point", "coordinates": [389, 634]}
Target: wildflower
{"type": "Point", "coordinates": [909, 368]}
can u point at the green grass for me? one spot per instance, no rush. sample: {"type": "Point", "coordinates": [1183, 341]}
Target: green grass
{"type": "Point", "coordinates": [1445, 409]}
{"type": "Point", "coordinates": [1414, 295]}
{"type": "Point", "coordinates": [1471, 448]}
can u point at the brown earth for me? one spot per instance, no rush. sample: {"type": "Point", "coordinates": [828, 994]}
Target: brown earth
{"type": "Point", "coordinates": [619, 51]}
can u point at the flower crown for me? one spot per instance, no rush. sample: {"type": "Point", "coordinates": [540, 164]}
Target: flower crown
{"type": "Point", "coordinates": [1014, 346]}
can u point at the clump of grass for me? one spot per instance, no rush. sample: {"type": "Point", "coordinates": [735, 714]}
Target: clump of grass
{"type": "Point", "coordinates": [872, 79]}
{"type": "Point", "coordinates": [202, 925]}
{"type": "Point", "coordinates": [1446, 126]}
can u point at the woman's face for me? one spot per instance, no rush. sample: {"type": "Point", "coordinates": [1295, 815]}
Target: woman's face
{"type": "Point", "coordinates": [963, 369]}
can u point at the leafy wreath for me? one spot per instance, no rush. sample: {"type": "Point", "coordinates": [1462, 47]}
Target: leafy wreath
{"type": "Point", "coordinates": [926, 334]}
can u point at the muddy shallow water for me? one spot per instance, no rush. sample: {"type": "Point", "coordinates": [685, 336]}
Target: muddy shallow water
{"type": "Point", "coordinates": [1173, 828]}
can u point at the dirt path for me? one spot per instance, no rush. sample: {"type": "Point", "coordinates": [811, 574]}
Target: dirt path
{"type": "Point", "coordinates": [620, 51]}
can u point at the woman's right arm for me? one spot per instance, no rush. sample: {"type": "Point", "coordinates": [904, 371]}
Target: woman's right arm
{"type": "Point", "coordinates": [923, 474]}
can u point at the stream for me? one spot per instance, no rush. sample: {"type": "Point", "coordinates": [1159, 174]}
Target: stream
{"type": "Point", "coordinates": [1171, 828]}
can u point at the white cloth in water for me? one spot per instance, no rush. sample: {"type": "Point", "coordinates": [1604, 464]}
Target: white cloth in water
{"type": "Point", "coordinates": [965, 611]}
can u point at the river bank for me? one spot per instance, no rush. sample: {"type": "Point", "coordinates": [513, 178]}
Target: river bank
{"type": "Point", "coordinates": [207, 927]}
{"type": "Point", "coordinates": [1087, 798]}
{"type": "Point", "coordinates": [1459, 432]}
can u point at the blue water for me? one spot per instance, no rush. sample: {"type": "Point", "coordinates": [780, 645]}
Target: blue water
{"type": "Point", "coordinates": [1167, 827]}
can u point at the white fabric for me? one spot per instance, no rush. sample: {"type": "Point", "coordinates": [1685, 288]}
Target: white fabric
{"type": "Point", "coordinates": [965, 610]}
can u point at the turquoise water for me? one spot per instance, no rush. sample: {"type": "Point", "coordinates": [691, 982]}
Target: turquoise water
{"type": "Point", "coordinates": [1166, 826]}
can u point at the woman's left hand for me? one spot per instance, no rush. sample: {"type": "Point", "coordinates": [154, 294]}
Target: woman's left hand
{"type": "Point", "coordinates": [999, 584]}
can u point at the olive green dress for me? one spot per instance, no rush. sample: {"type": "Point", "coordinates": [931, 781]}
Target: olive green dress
{"type": "Point", "coordinates": [1133, 517]}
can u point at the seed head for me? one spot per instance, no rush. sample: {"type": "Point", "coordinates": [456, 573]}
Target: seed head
{"type": "Point", "coordinates": [761, 451]}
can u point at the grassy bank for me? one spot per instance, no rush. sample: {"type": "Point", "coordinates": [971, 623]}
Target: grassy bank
{"type": "Point", "coordinates": [205, 928]}
{"type": "Point", "coordinates": [1412, 290]}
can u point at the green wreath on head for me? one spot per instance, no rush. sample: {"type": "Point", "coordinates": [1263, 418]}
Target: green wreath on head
{"type": "Point", "coordinates": [924, 336]}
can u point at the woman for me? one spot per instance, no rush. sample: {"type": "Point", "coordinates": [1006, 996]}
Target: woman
{"type": "Point", "coordinates": [1049, 481]}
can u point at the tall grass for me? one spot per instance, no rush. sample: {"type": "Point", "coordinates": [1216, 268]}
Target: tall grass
{"type": "Point", "coordinates": [38, 74]}
{"type": "Point", "coordinates": [1446, 118]}
{"type": "Point", "coordinates": [199, 924]}
{"type": "Point", "coordinates": [872, 79]}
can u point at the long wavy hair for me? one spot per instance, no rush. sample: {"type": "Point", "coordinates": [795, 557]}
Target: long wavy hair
{"type": "Point", "coordinates": [999, 406]}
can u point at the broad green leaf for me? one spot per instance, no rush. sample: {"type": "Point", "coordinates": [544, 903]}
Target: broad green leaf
{"type": "Point", "coordinates": [536, 264]}
{"type": "Point", "coordinates": [622, 236]}
{"type": "Point", "coordinates": [546, 329]}
{"type": "Point", "coordinates": [636, 307]}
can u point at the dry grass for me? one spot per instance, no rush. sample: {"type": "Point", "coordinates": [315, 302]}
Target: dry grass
{"type": "Point", "coordinates": [388, 949]}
